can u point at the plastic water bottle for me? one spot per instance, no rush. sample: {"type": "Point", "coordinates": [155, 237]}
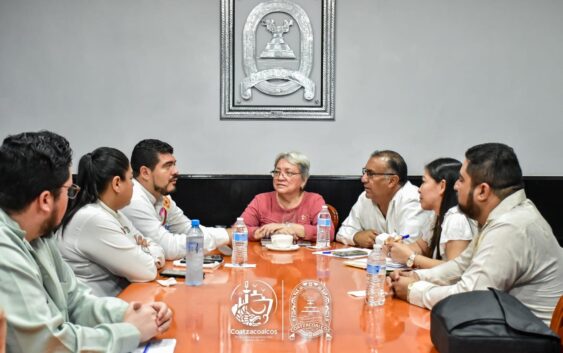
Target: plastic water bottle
{"type": "Point", "coordinates": [375, 292]}
{"type": "Point", "coordinates": [323, 228]}
{"type": "Point", "coordinates": [240, 243]}
{"type": "Point", "coordinates": [194, 255]}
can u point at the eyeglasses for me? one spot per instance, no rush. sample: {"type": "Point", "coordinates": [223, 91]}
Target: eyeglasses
{"type": "Point", "coordinates": [72, 191]}
{"type": "Point", "coordinates": [277, 173]}
{"type": "Point", "coordinates": [371, 174]}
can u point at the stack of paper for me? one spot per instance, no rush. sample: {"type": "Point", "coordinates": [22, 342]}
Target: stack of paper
{"type": "Point", "coordinates": [363, 263]}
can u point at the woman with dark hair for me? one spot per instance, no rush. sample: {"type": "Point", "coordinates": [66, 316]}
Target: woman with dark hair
{"type": "Point", "coordinates": [96, 239]}
{"type": "Point", "coordinates": [452, 230]}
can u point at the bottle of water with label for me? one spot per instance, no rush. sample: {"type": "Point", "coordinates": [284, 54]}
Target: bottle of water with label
{"type": "Point", "coordinates": [323, 228]}
{"type": "Point", "coordinates": [240, 243]}
{"type": "Point", "coordinates": [194, 255]}
{"type": "Point", "coordinates": [375, 292]}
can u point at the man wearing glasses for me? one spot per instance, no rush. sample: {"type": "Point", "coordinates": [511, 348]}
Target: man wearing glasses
{"type": "Point", "coordinates": [46, 308]}
{"type": "Point", "coordinates": [390, 204]}
{"type": "Point", "coordinates": [152, 210]}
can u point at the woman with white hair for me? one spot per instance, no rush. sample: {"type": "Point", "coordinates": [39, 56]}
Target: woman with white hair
{"type": "Point", "coordinates": [289, 209]}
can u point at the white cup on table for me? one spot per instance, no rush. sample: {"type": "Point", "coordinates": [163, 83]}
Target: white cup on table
{"type": "Point", "coordinates": [282, 241]}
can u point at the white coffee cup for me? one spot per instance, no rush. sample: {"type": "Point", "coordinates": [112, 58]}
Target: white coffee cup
{"type": "Point", "coordinates": [282, 241]}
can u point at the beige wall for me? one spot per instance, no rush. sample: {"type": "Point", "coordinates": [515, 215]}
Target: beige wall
{"type": "Point", "coordinates": [426, 78]}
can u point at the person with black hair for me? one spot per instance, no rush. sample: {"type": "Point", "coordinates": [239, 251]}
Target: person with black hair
{"type": "Point", "coordinates": [46, 307]}
{"type": "Point", "coordinates": [515, 250]}
{"type": "Point", "coordinates": [389, 205]}
{"type": "Point", "coordinates": [153, 211]}
{"type": "Point", "coordinates": [451, 231]}
{"type": "Point", "coordinates": [96, 239]}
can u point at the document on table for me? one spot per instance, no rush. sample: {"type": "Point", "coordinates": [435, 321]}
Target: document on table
{"type": "Point", "coordinates": [157, 346]}
{"type": "Point", "coordinates": [206, 266]}
{"type": "Point", "coordinates": [347, 253]}
{"type": "Point", "coordinates": [363, 263]}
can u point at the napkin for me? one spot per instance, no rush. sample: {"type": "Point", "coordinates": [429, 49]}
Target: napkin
{"type": "Point", "coordinates": [357, 293]}
{"type": "Point", "coordinates": [167, 282]}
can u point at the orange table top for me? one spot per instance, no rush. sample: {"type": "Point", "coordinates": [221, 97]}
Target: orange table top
{"type": "Point", "coordinates": [204, 319]}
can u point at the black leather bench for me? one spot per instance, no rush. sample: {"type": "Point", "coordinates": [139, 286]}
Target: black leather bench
{"type": "Point", "coordinates": [219, 199]}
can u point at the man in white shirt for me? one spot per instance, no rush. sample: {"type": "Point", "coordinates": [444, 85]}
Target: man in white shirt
{"type": "Point", "coordinates": [152, 211]}
{"type": "Point", "coordinates": [515, 250]}
{"type": "Point", "coordinates": [390, 203]}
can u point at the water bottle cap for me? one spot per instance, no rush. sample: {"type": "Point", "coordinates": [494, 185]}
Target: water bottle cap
{"type": "Point", "coordinates": [195, 222]}
{"type": "Point", "coordinates": [325, 207]}
{"type": "Point", "coordinates": [240, 219]}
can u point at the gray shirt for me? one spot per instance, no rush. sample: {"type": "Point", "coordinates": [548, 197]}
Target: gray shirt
{"type": "Point", "coordinates": [515, 251]}
{"type": "Point", "coordinates": [47, 307]}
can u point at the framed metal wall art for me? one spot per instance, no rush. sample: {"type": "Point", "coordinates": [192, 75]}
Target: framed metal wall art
{"type": "Point", "coordinates": [277, 59]}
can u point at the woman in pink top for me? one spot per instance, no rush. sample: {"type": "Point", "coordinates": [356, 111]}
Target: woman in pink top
{"type": "Point", "coordinates": [289, 209]}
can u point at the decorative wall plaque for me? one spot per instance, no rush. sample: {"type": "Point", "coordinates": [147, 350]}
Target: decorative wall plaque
{"type": "Point", "coordinates": [277, 59]}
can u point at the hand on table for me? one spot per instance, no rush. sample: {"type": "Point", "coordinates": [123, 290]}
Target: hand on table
{"type": "Point", "coordinates": [143, 317]}
{"type": "Point", "coordinates": [297, 230]}
{"type": "Point", "coordinates": [365, 238]}
{"type": "Point", "coordinates": [267, 230]}
{"type": "Point", "coordinates": [399, 282]}
{"type": "Point", "coordinates": [163, 316]}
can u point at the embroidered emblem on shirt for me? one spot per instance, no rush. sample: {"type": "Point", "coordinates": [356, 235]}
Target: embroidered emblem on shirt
{"type": "Point", "coordinates": [166, 203]}
{"type": "Point", "coordinates": [163, 213]}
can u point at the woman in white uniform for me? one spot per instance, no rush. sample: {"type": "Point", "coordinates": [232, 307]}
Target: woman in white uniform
{"type": "Point", "coordinates": [101, 245]}
{"type": "Point", "coordinates": [451, 231]}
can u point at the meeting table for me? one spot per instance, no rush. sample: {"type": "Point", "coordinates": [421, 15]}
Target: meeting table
{"type": "Point", "coordinates": [281, 304]}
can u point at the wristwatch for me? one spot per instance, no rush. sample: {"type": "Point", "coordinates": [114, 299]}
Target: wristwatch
{"type": "Point", "coordinates": [410, 260]}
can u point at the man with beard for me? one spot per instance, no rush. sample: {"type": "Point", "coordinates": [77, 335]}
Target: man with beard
{"type": "Point", "coordinates": [515, 250]}
{"type": "Point", "coordinates": [152, 210]}
{"type": "Point", "coordinates": [390, 203]}
{"type": "Point", "coordinates": [46, 308]}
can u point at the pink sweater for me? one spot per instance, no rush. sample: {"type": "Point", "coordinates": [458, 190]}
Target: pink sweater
{"type": "Point", "coordinates": [264, 209]}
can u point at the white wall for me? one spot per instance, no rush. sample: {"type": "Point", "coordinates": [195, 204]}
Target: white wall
{"type": "Point", "coordinates": [426, 78]}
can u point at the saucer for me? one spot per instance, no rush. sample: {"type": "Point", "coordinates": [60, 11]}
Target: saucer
{"type": "Point", "coordinates": [275, 248]}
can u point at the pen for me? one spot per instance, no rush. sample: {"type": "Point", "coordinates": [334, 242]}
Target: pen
{"type": "Point", "coordinates": [147, 348]}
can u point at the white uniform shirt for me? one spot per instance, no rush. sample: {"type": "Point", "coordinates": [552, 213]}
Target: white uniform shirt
{"type": "Point", "coordinates": [404, 216]}
{"type": "Point", "coordinates": [165, 223]}
{"type": "Point", "coordinates": [99, 245]}
{"type": "Point", "coordinates": [455, 226]}
{"type": "Point", "coordinates": [515, 251]}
